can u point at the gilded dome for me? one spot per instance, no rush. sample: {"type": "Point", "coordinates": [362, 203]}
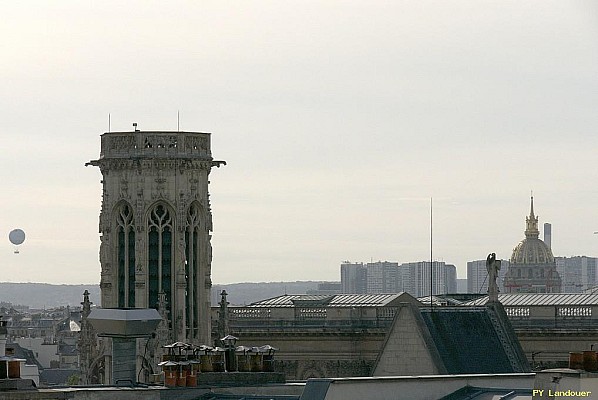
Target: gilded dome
{"type": "Point", "coordinates": [532, 250]}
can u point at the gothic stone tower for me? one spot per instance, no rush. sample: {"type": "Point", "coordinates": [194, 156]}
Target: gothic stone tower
{"type": "Point", "coordinates": [155, 226]}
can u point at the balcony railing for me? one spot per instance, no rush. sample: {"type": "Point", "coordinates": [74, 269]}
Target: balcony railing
{"type": "Point", "coordinates": [307, 323]}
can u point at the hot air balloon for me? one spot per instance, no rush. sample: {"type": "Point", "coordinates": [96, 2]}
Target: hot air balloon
{"type": "Point", "coordinates": [16, 237]}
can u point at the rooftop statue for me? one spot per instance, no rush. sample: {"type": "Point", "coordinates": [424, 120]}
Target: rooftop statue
{"type": "Point", "coordinates": [492, 266]}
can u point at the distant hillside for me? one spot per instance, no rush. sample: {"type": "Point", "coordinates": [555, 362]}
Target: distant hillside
{"type": "Point", "coordinates": [45, 295]}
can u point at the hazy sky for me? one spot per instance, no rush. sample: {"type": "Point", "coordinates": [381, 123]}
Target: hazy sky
{"type": "Point", "coordinates": [339, 121]}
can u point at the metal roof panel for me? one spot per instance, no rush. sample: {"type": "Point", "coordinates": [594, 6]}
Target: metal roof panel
{"type": "Point", "coordinates": [541, 299]}
{"type": "Point", "coordinates": [339, 300]}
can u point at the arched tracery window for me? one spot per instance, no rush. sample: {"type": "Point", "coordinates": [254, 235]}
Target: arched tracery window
{"type": "Point", "coordinates": [126, 256]}
{"type": "Point", "coordinates": [160, 254]}
{"type": "Point", "coordinates": [191, 270]}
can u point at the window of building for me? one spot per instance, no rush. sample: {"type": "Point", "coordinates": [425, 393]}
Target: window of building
{"type": "Point", "coordinates": [126, 256]}
{"type": "Point", "coordinates": [160, 262]}
{"type": "Point", "coordinates": [192, 247]}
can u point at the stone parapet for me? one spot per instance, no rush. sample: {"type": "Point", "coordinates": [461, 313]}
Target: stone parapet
{"type": "Point", "coordinates": [188, 145]}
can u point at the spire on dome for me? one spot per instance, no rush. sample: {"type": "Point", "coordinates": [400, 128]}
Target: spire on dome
{"type": "Point", "coordinates": [531, 229]}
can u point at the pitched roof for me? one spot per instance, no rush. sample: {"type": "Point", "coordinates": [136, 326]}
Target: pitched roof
{"type": "Point", "coordinates": [56, 376]}
{"type": "Point", "coordinates": [450, 340]}
{"type": "Point", "coordinates": [466, 340]}
{"type": "Point", "coordinates": [541, 299]}
{"type": "Point", "coordinates": [67, 349]}
{"type": "Point", "coordinates": [24, 353]}
{"type": "Point", "coordinates": [337, 300]}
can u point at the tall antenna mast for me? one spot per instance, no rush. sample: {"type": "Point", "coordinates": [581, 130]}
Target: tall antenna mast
{"type": "Point", "coordinates": [177, 121]}
{"type": "Point", "coordinates": [108, 122]}
{"type": "Point", "coordinates": [431, 259]}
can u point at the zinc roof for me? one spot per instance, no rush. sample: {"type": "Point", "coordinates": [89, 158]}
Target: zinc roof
{"type": "Point", "coordinates": [337, 300]}
{"type": "Point", "coordinates": [541, 299]}
{"type": "Point", "coordinates": [439, 300]}
{"type": "Point", "coordinates": [462, 337]}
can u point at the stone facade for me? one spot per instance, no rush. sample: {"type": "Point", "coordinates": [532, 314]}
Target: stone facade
{"type": "Point", "coordinates": [317, 335]}
{"type": "Point", "coordinates": [307, 369]}
{"type": "Point", "coordinates": [155, 225]}
{"type": "Point", "coordinates": [316, 352]}
{"type": "Point", "coordinates": [406, 351]}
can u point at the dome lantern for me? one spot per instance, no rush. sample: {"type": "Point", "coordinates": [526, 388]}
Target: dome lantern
{"type": "Point", "coordinates": [531, 229]}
